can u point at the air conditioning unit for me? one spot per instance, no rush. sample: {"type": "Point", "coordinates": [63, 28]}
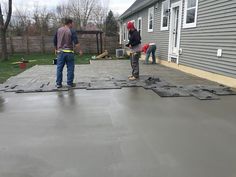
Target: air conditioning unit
{"type": "Point", "coordinates": [120, 53]}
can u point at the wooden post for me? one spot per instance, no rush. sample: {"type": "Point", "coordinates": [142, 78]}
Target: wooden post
{"type": "Point", "coordinates": [43, 44]}
{"type": "Point", "coordinates": [97, 43]}
{"type": "Point", "coordinates": [101, 42]}
{"type": "Point", "coordinates": [11, 45]}
{"type": "Point", "coordinates": [27, 44]}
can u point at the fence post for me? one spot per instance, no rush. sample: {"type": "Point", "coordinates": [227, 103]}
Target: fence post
{"type": "Point", "coordinates": [11, 44]}
{"type": "Point", "coordinates": [27, 44]}
{"type": "Point", "coordinates": [42, 44]}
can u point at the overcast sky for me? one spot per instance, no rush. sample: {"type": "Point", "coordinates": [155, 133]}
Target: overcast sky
{"type": "Point", "coordinates": [117, 6]}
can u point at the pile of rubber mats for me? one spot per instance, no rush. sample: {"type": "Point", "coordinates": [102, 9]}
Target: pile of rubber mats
{"type": "Point", "coordinates": [174, 91]}
{"type": "Point", "coordinates": [36, 87]}
{"type": "Point", "coordinates": [4, 87]}
{"type": "Point", "coordinates": [102, 85]}
{"type": "Point", "coordinates": [159, 86]}
{"type": "Point", "coordinates": [202, 92]}
{"type": "Point", "coordinates": [146, 82]}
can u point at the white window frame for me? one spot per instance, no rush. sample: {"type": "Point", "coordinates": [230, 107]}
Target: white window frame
{"type": "Point", "coordinates": [162, 9]}
{"type": "Point", "coordinates": [133, 21]}
{"type": "Point", "coordinates": [120, 33]}
{"type": "Point", "coordinates": [151, 9]}
{"type": "Point", "coordinates": [124, 32]}
{"type": "Point", "coordinates": [194, 24]}
{"type": "Point", "coordinates": [127, 34]}
{"type": "Point", "coordinates": [141, 25]}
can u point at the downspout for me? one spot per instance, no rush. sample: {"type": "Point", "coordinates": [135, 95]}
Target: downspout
{"type": "Point", "coordinates": [120, 33]}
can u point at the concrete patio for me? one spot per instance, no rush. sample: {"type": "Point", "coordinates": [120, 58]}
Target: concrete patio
{"type": "Point", "coordinates": [100, 69]}
{"type": "Point", "coordinates": [112, 74]}
{"type": "Point", "coordinates": [128, 132]}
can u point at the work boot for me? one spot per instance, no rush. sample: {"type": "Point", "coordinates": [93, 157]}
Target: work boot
{"type": "Point", "coordinates": [59, 86]}
{"type": "Point", "coordinates": [71, 85]}
{"type": "Point", "coordinates": [132, 78]}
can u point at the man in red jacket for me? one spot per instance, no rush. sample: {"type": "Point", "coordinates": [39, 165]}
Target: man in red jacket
{"type": "Point", "coordinates": [148, 49]}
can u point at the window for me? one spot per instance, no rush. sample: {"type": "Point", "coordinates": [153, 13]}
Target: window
{"type": "Point", "coordinates": [139, 26]}
{"type": "Point", "coordinates": [190, 13]}
{"type": "Point", "coordinates": [165, 15]}
{"type": "Point", "coordinates": [124, 32]}
{"type": "Point", "coordinates": [150, 19]}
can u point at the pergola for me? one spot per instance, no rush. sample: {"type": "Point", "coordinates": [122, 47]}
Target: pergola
{"type": "Point", "coordinates": [98, 33]}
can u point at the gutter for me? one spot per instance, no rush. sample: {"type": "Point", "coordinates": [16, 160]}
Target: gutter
{"type": "Point", "coordinates": [131, 11]}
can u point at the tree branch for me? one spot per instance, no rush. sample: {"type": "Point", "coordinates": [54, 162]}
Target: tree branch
{"type": "Point", "coordinates": [1, 18]}
{"type": "Point", "coordinates": [8, 15]}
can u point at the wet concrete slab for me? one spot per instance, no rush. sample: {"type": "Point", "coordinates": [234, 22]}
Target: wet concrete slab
{"type": "Point", "coordinates": [129, 132]}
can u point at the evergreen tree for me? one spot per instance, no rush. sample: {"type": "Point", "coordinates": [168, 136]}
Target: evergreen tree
{"type": "Point", "coordinates": [111, 25]}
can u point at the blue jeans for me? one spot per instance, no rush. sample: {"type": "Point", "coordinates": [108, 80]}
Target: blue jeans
{"type": "Point", "coordinates": [68, 59]}
{"type": "Point", "coordinates": [151, 49]}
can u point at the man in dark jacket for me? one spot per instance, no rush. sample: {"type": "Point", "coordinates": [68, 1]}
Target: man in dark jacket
{"type": "Point", "coordinates": [64, 41]}
{"type": "Point", "coordinates": [136, 48]}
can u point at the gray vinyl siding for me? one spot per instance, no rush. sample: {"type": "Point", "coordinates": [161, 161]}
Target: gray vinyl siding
{"type": "Point", "coordinates": [216, 29]}
{"type": "Point", "coordinates": [162, 39]}
{"type": "Point", "coordinates": [174, 1]}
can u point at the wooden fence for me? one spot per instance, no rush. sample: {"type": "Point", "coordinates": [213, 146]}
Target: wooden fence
{"type": "Point", "coordinates": [44, 44]}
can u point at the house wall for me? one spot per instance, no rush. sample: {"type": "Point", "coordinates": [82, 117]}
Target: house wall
{"type": "Point", "coordinates": [216, 29]}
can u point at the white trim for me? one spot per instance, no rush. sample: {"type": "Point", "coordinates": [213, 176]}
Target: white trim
{"type": "Point", "coordinates": [194, 24]}
{"type": "Point", "coordinates": [151, 9]}
{"type": "Point", "coordinates": [124, 32]}
{"type": "Point", "coordinates": [141, 25]}
{"type": "Point", "coordinates": [170, 52]}
{"type": "Point", "coordinates": [120, 40]}
{"type": "Point", "coordinates": [162, 9]}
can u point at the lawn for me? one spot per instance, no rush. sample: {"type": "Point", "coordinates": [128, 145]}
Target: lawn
{"type": "Point", "coordinates": [7, 69]}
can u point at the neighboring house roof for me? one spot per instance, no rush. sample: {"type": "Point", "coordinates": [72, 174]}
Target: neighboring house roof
{"type": "Point", "coordinates": [137, 6]}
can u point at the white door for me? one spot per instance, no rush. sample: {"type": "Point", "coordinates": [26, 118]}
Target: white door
{"type": "Point", "coordinates": [175, 30]}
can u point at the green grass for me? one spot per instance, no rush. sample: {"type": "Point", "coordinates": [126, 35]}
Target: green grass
{"type": "Point", "coordinates": [7, 69]}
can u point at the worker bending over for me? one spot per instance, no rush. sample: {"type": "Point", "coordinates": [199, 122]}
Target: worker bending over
{"type": "Point", "coordinates": [149, 49]}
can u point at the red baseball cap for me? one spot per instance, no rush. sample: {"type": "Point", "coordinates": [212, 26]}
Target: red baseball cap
{"type": "Point", "coordinates": [130, 25]}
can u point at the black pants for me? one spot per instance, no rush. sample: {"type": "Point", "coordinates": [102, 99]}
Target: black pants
{"type": "Point", "coordinates": [134, 59]}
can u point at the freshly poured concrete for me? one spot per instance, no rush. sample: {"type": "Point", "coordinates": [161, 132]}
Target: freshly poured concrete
{"type": "Point", "coordinates": [116, 133]}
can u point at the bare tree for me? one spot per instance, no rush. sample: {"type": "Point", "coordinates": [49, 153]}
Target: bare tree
{"type": "Point", "coordinates": [99, 16]}
{"type": "Point", "coordinates": [3, 28]}
{"type": "Point", "coordinates": [87, 10]}
{"type": "Point", "coordinates": [21, 21]}
{"type": "Point", "coordinates": [61, 12]}
{"type": "Point", "coordinates": [81, 11]}
{"type": "Point", "coordinates": [41, 17]}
